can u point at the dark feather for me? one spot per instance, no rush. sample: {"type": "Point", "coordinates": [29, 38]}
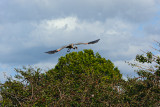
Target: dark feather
{"type": "Point", "coordinates": [93, 42]}
{"type": "Point", "coordinates": [51, 52]}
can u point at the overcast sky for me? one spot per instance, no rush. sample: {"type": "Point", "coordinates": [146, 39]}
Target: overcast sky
{"type": "Point", "coordinates": [28, 28]}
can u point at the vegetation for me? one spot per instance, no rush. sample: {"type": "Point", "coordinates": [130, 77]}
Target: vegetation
{"type": "Point", "coordinates": [84, 79]}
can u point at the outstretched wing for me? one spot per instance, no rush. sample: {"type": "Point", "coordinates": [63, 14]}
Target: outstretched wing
{"type": "Point", "coordinates": [57, 50]}
{"type": "Point", "coordinates": [92, 42]}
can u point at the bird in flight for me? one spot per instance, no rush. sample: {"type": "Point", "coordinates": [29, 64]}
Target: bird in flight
{"type": "Point", "coordinates": [71, 46]}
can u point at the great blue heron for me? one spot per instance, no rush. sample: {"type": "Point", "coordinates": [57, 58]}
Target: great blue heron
{"type": "Point", "coordinates": [71, 46]}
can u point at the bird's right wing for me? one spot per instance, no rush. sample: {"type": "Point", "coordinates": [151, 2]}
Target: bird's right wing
{"type": "Point", "coordinates": [57, 50]}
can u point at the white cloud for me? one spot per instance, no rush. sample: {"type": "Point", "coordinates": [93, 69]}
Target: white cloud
{"type": "Point", "coordinates": [67, 24]}
{"type": "Point", "coordinates": [55, 31]}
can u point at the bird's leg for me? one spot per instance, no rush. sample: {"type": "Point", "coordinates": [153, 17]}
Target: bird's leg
{"type": "Point", "coordinates": [75, 47]}
{"type": "Point", "coordinates": [68, 50]}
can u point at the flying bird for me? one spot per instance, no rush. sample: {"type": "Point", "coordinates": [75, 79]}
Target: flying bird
{"type": "Point", "coordinates": [71, 46]}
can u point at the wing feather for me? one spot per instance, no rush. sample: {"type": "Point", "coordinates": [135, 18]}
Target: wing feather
{"type": "Point", "coordinates": [55, 51]}
{"type": "Point", "coordinates": [80, 43]}
{"type": "Point", "coordinates": [52, 52]}
{"type": "Point", "coordinates": [92, 42]}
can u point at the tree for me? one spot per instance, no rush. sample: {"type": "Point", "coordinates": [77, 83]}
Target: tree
{"type": "Point", "coordinates": [86, 63]}
{"type": "Point", "coordinates": [83, 75]}
{"type": "Point", "coordinates": [78, 79]}
{"type": "Point", "coordinates": [24, 91]}
{"type": "Point", "coordinates": [144, 90]}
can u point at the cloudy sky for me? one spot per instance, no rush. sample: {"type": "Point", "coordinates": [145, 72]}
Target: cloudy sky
{"type": "Point", "coordinates": [28, 28]}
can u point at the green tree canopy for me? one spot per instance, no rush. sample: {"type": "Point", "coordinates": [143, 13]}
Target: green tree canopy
{"type": "Point", "coordinates": [79, 79]}
{"type": "Point", "coordinates": [87, 63]}
{"type": "Point", "coordinates": [83, 75]}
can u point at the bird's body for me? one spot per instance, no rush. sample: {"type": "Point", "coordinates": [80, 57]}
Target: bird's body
{"type": "Point", "coordinates": [71, 46]}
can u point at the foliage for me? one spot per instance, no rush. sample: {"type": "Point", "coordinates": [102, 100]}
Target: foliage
{"type": "Point", "coordinates": [24, 90]}
{"type": "Point", "coordinates": [85, 79]}
{"type": "Point", "coordinates": [79, 79]}
{"type": "Point", "coordinates": [144, 90]}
